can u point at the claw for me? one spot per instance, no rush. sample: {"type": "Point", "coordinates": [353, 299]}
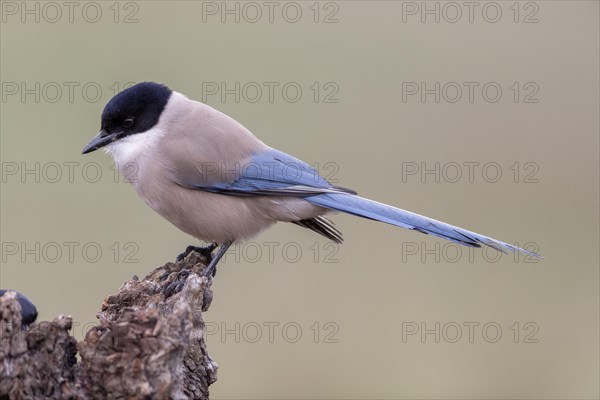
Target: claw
{"type": "Point", "coordinates": [206, 251]}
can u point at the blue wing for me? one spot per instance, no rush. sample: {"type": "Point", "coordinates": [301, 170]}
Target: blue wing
{"type": "Point", "coordinates": [271, 173]}
{"type": "Point", "coordinates": [275, 173]}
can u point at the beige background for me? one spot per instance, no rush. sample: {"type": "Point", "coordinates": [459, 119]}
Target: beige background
{"type": "Point", "coordinates": [369, 295]}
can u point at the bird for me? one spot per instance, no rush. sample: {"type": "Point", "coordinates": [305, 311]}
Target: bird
{"type": "Point", "coordinates": [29, 312]}
{"type": "Point", "coordinates": [213, 179]}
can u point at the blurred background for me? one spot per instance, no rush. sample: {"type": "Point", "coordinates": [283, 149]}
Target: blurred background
{"type": "Point", "coordinates": [483, 115]}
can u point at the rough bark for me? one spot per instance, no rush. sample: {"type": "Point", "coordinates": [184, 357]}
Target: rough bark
{"type": "Point", "coordinates": [149, 343]}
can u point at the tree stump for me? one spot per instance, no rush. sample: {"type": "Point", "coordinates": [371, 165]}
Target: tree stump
{"type": "Point", "coordinates": [149, 343]}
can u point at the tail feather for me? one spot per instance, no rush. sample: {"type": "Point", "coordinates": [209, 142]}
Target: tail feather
{"type": "Point", "coordinates": [322, 226]}
{"type": "Point", "coordinates": [370, 209]}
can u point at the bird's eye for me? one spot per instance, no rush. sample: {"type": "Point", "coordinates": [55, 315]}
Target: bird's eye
{"type": "Point", "coordinates": [128, 123]}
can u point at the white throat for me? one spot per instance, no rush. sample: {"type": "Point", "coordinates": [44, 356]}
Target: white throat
{"type": "Point", "coordinates": [131, 149]}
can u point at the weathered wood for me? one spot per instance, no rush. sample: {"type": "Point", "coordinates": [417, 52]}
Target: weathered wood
{"type": "Point", "coordinates": [149, 343]}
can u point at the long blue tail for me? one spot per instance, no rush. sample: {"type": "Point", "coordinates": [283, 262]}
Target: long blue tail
{"type": "Point", "coordinates": [370, 209]}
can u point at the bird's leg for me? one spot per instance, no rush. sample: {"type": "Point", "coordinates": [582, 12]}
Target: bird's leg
{"type": "Point", "coordinates": [212, 266]}
{"type": "Point", "coordinates": [205, 251]}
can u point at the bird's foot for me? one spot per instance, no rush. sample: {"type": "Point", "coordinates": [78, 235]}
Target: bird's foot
{"type": "Point", "coordinates": [206, 251]}
{"type": "Point", "coordinates": [211, 269]}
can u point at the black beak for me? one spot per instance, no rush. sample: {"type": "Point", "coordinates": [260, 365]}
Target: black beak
{"type": "Point", "coordinates": [99, 141]}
